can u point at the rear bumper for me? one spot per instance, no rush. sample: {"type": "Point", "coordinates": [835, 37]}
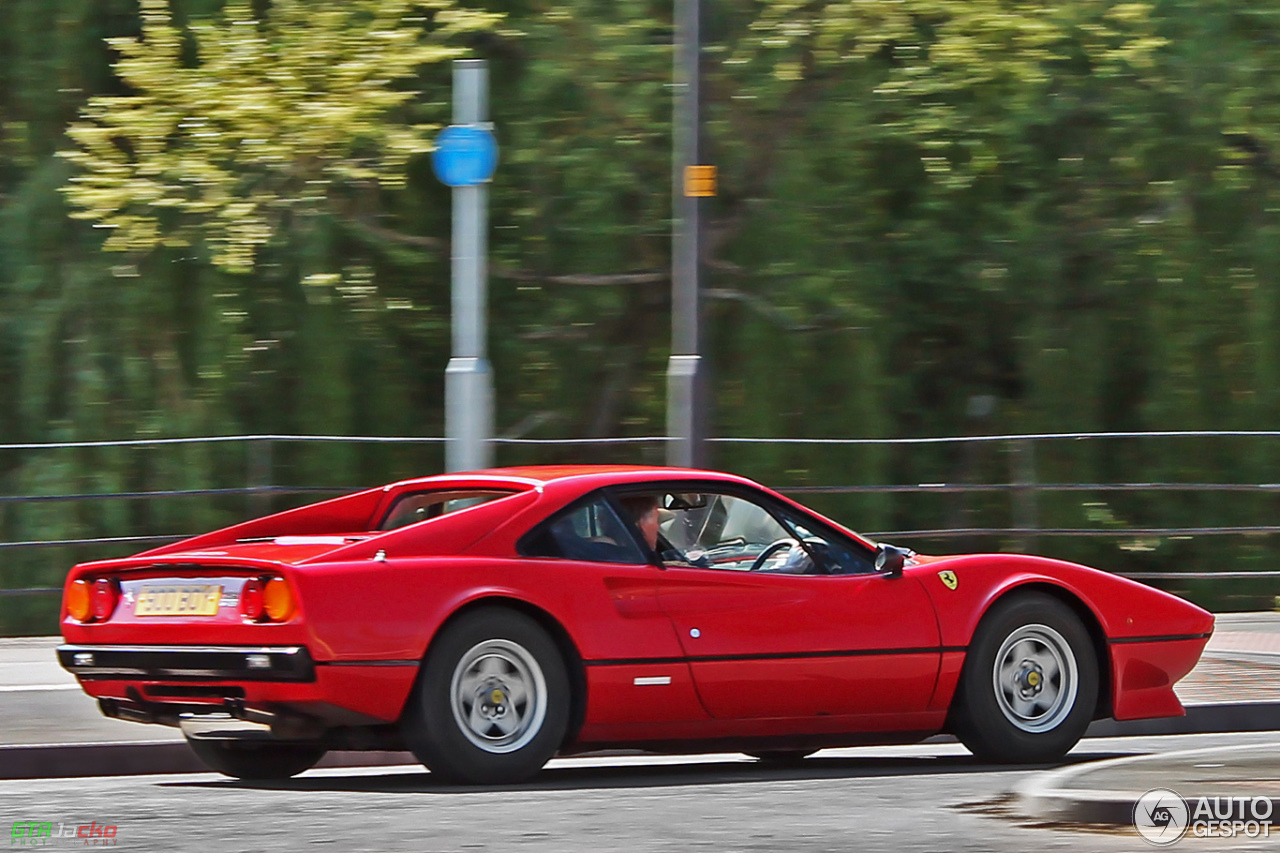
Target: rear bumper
{"type": "Point", "coordinates": [203, 663]}
{"type": "Point", "coordinates": [161, 683]}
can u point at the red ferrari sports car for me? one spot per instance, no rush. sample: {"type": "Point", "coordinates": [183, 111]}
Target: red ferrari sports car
{"type": "Point", "coordinates": [490, 620]}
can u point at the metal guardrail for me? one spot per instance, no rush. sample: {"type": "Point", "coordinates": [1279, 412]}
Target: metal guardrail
{"type": "Point", "coordinates": [1109, 532]}
{"type": "Point", "coordinates": [954, 488]}
{"type": "Point", "coordinates": [1030, 436]}
{"type": "Point", "coordinates": [416, 439]}
{"type": "Point", "coordinates": [175, 493]}
{"type": "Point", "coordinates": [101, 540]}
{"type": "Point", "coordinates": [1023, 488]}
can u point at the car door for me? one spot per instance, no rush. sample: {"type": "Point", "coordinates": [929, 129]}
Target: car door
{"type": "Point", "coordinates": [635, 673]}
{"type": "Point", "coordinates": [805, 631]}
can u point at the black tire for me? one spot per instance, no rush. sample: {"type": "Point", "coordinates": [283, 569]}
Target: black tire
{"type": "Point", "coordinates": [492, 701]}
{"type": "Point", "coordinates": [782, 756]}
{"type": "Point", "coordinates": [1029, 685]}
{"type": "Point", "coordinates": [257, 760]}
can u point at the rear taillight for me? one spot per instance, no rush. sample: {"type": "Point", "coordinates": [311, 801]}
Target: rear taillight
{"type": "Point", "coordinates": [277, 600]}
{"type": "Point", "coordinates": [105, 596]}
{"type": "Point", "coordinates": [251, 600]}
{"type": "Point", "coordinates": [78, 604]}
{"type": "Point", "coordinates": [92, 601]}
{"type": "Point", "coordinates": [267, 599]}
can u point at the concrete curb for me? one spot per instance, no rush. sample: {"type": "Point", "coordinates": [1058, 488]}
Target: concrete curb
{"type": "Point", "coordinates": [1050, 796]}
{"type": "Point", "coordinates": [1046, 796]}
{"type": "Point", "coordinates": [55, 761]}
{"type": "Point", "coordinates": [51, 761]}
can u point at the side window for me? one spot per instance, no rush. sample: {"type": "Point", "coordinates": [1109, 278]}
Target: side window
{"type": "Point", "coordinates": [719, 531]}
{"type": "Point", "coordinates": [726, 531]}
{"type": "Point", "coordinates": [591, 532]}
{"type": "Point", "coordinates": [835, 553]}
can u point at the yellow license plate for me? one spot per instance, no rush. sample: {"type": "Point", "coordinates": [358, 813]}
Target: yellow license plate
{"type": "Point", "coordinates": [178, 600]}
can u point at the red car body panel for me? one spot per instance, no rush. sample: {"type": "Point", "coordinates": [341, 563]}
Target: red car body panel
{"type": "Point", "coordinates": [665, 654]}
{"type": "Point", "coordinates": [1136, 621]}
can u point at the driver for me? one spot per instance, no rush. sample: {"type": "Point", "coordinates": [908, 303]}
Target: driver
{"type": "Point", "coordinates": [645, 510]}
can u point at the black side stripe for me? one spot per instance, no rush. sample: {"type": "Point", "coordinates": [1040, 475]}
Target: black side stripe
{"type": "Point", "coordinates": [848, 653]}
{"type": "Point", "coordinates": [368, 662]}
{"type": "Point", "coordinates": [1162, 638]}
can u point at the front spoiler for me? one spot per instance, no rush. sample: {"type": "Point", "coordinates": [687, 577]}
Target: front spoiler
{"type": "Point", "coordinates": [204, 663]}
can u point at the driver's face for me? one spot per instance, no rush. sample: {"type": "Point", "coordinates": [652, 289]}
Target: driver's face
{"type": "Point", "coordinates": [649, 527]}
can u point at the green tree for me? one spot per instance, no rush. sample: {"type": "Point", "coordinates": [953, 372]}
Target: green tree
{"type": "Point", "coordinates": [246, 125]}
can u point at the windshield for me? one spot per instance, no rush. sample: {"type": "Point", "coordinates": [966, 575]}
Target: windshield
{"type": "Point", "coordinates": [728, 531]}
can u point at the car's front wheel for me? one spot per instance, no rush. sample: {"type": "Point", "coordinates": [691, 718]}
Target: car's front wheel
{"type": "Point", "coordinates": [1030, 682]}
{"type": "Point", "coordinates": [256, 760]}
{"type": "Point", "coordinates": [492, 701]}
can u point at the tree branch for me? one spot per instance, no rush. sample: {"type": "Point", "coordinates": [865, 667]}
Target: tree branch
{"type": "Point", "coordinates": [393, 236]}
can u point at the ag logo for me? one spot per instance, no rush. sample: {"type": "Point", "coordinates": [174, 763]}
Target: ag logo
{"type": "Point", "coordinates": [949, 579]}
{"type": "Point", "coordinates": [1161, 816]}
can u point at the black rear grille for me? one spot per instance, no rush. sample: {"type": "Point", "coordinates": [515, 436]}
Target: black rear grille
{"type": "Point", "coordinates": [189, 663]}
{"type": "Point", "coordinates": [187, 691]}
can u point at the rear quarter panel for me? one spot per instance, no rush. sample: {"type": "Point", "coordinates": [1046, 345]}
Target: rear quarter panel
{"type": "Point", "coordinates": [392, 609]}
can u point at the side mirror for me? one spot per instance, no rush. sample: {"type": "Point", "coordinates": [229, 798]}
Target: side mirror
{"type": "Point", "coordinates": [890, 560]}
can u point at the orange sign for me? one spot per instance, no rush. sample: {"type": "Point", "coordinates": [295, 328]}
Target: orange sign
{"type": "Point", "coordinates": [699, 181]}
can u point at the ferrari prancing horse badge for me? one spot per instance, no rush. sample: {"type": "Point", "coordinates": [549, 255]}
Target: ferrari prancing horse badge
{"type": "Point", "coordinates": [949, 579]}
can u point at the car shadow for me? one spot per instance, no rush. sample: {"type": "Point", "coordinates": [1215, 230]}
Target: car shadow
{"type": "Point", "coordinates": [563, 778]}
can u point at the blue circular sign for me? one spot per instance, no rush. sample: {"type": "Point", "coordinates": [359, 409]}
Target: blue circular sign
{"type": "Point", "coordinates": [465, 155]}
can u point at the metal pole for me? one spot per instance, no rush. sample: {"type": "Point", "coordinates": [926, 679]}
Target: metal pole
{"type": "Point", "coordinates": [468, 380]}
{"type": "Point", "coordinates": [686, 379]}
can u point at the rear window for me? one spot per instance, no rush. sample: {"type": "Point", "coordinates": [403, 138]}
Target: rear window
{"type": "Point", "coordinates": [412, 507]}
{"type": "Point", "coordinates": [590, 532]}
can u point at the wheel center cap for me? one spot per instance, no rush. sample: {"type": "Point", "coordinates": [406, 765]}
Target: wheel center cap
{"type": "Point", "coordinates": [1030, 679]}
{"type": "Point", "coordinates": [493, 702]}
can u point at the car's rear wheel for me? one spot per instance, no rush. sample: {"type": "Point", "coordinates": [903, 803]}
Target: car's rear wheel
{"type": "Point", "coordinates": [256, 760]}
{"type": "Point", "coordinates": [492, 701]}
{"type": "Point", "coordinates": [1030, 682]}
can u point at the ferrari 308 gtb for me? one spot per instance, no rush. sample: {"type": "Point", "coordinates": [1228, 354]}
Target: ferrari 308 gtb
{"type": "Point", "coordinates": [490, 620]}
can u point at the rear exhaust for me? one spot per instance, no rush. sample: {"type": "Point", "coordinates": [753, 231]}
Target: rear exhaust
{"type": "Point", "coordinates": [231, 720]}
{"type": "Point", "coordinates": [239, 722]}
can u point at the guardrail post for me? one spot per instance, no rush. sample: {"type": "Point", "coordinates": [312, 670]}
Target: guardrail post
{"type": "Point", "coordinates": [260, 476]}
{"type": "Point", "coordinates": [1022, 473]}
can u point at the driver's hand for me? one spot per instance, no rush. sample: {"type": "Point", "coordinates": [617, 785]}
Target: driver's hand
{"type": "Point", "coordinates": [673, 557]}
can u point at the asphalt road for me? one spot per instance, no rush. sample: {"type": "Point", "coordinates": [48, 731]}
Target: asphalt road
{"type": "Point", "coordinates": [924, 798]}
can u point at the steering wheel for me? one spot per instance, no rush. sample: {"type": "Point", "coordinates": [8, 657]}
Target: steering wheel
{"type": "Point", "coordinates": [774, 547]}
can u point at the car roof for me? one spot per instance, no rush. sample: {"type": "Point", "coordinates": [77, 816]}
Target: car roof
{"type": "Point", "coordinates": [551, 473]}
{"type": "Point", "coordinates": [592, 476]}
